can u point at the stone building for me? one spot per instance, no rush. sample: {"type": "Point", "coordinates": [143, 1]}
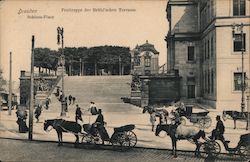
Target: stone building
{"type": "Point", "coordinates": [144, 60]}
{"type": "Point", "coordinates": [206, 53]}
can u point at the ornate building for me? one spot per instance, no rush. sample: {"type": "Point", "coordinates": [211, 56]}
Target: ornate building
{"type": "Point", "coordinates": [206, 52]}
{"type": "Point", "coordinates": [144, 60]}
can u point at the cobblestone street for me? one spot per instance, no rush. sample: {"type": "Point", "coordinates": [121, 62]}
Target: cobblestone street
{"type": "Point", "coordinates": [23, 150]}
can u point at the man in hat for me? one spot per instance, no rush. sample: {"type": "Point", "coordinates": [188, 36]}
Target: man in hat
{"type": "Point", "coordinates": [78, 115]}
{"type": "Point", "coordinates": [218, 132]}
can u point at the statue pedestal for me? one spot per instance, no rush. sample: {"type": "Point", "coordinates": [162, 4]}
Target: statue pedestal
{"type": "Point", "coordinates": [41, 97]}
{"type": "Point", "coordinates": [59, 71]}
{"type": "Point", "coordinates": [135, 98]}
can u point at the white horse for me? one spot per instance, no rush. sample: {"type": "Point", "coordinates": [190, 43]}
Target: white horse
{"type": "Point", "coordinates": [182, 132]}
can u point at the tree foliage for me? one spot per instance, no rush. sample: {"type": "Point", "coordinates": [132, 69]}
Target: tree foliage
{"type": "Point", "coordinates": [2, 81]}
{"type": "Point", "coordinates": [102, 57]}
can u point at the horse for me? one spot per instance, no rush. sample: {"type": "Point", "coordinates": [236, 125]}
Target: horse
{"type": "Point", "coordinates": [159, 110]}
{"type": "Point", "coordinates": [61, 125]}
{"type": "Point", "coordinates": [235, 115]}
{"type": "Point", "coordinates": [182, 133]}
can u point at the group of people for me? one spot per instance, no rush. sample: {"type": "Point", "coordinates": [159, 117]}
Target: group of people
{"type": "Point", "coordinates": [93, 110]}
{"type": "Point", "coordinates": [99, 122]}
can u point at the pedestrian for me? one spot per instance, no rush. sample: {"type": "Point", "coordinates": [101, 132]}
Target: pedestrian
{"type": "Point", "coordinates": [100, 118]}
{"type": "Point", "coordinates": [47, 103]}
{"type": "Point", "coordinates": [92, 108]}
{"type": "Point", "coordinates": [152, 119]}
{"type": "Point", "coordinates": [38, 112]}
{"type": "Point", "coordinates": [66, 106]}
{"type": "Point", "coordinates": [163, 117]}
{"type": "Point", "coordinates": [70, 98]}
{"type": "Point", "coordinates": [74, 99]}
{"type": "Point", "coordinates": [21, 120]}
{"type": "Point", "coordinates": [57, 92]}
{"type": "Point", "coordinates": [78, 115]}
{"type": "Point", "coordinates": [218, 132]}
{"type": "Point", "coordinates": [61, 97]}
{"type": "Point", "coordinates": [66, 99]}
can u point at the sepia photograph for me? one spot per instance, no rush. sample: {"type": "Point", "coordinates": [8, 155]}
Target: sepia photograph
{"type": "Point", "coordinates": [125, 80]}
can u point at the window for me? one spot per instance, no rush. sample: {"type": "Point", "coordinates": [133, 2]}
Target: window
{"type": "Point", "coordinates": [239, 7]}
{"type": "Point", "coordinates": [237, 81]}
{"type": "Point", "coordinates": [191, 53]}
{"type": "Point", "coordinates": [137, 61]}
{"type": "Point", "coordinates": [190, 80]}
{"type": "Point", "coordinates": [238, 42]}
{"type": "Point", "coordinates": [147, 61]}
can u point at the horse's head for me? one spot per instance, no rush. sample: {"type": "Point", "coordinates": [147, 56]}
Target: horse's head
{"type": "Point", "coordinates": [46, 124]}
{"type": "Point", "coordinates": [160, 128]}
{"type": "Point", "coordinates": [225, 115]}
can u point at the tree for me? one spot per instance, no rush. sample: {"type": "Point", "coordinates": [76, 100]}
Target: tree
{"type": "Point", "coordinates": [2, 81]}
{"type": "Point", "coordinates": [45, 58]}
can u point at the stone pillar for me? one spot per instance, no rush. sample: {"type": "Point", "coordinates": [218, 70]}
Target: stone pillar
{"type": "Point", "coordinates": [145, 93]}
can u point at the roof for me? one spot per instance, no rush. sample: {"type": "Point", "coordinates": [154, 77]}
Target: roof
{"type": "Point", "coordinates": [146, 47]}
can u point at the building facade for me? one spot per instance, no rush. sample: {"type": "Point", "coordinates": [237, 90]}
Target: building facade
{"type": "Point", "coordinates": [144, 60]}
{"type": "Point", "coordinates": [204, 45]}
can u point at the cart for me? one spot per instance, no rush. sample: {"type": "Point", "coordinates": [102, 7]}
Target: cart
{"type": "Point", "coordinates": [195, 115]}
{"type": "Point", "coordinates": [122, 139]}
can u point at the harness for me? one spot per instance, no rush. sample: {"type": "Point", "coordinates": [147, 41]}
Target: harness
{"type": "Point", "coordinates": [57, 124]}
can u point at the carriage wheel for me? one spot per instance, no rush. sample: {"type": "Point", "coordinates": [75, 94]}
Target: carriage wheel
{"type": "Point", "coordinates": [244, 152]}
{"type": "Point", "coordinates": [211, 148]}
{"type": "Point", "coordinates": [205, 122]}
{"type": "Point", "coordinates": [214, 149]}
{"type": "Point", "coordinates": [120, 141]}
{"type": "Point", "coordinates": [87, 139]}
{"type": "Point", "coordinates": [203, 150]}
{"type": "Point", "coordinates": [90, 139]}
{"type": "Point", "coordinates": [132, 138]}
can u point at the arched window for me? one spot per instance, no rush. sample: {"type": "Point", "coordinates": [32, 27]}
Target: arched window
{"type": "Point", "coordinates": [147, 60]}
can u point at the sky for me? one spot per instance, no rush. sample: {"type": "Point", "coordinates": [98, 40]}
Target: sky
{"type": "Point", "coordinates": [85, 23]}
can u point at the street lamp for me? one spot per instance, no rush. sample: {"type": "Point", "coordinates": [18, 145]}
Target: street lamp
{"type": "Point", "coordinates": [62, 63]}
{"type": "Point", "coordinates": [239, 27]}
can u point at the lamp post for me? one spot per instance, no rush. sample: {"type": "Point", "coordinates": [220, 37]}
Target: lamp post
{"type": "Point", "coordinates": [239, 27]}
{"type": "Point", "coordinates": [62, 63]}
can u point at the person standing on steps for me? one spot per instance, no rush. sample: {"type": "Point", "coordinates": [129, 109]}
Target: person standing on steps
{"type": "Point", "coordinates": [38, 112]}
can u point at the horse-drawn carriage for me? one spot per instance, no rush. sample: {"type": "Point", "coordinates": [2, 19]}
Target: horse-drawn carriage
{"type": "Point", "coordinates": [213, 148]}
{"type": "Point", "coordinates": [195, 115]}
{"type": "Point", "coordinates": [186, 113]}
{"type": "Point", "coordinates": [122, 139]}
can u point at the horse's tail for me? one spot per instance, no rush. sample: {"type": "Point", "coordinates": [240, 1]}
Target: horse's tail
{"type": "Point", "coordinates": [200, 134]}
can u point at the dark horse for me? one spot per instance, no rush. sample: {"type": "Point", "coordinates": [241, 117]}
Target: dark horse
{"type": "Point", "coordinates": [235, 115]}
{"type": "Point", "coordinates": [181, 133]}
{"type": "Point", "coordinates": [61, 125]}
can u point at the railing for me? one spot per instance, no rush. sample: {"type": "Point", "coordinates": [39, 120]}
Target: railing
{"type": "Point", "coordinates": [162, 68]}
{"type": "Point", "coordinates": [28, 74]}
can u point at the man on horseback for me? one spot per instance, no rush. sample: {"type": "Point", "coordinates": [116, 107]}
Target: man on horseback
{"type": "Point", "coordinates": [218, 132]}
